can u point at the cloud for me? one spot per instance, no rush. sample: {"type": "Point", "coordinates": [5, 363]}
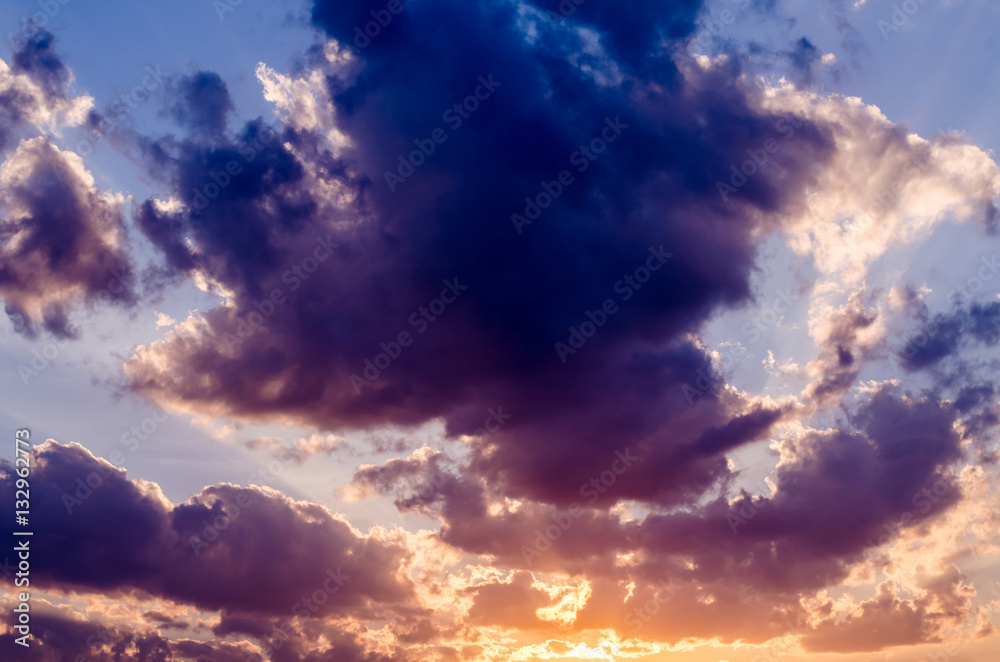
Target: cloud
{"type": "Point", "coordinates": [302, 449]}
{"type": "Point", "coordinates": [38, 61]}
{"type": "Point", "coordinates": [164, 620]}
{"type": "Point", "coordinates": [882, 188]}
{"type": "Point", "coordinates": [509, 604]}
{"type": "Point", "coordinates": [655, 190]}
{"type": "Point", "coordinates": [944, 334]}
{"type": "Point", "coordinates": [373, 275]}
{"type": "Point", "coordinates": [33, 91]}
{"type": "Point", "coordinates": [875, 625]}
{"type": "Point", "coordinates": [837, 494]}
{"type": "Point", "coordinates": [526, 292]}
{"type": "Point", "coordinates": [849, 335]}
{"type": "Point", "coordinates": [63, 240]}
{"type": "Point", "coordinates": [59, 636]}
{"type": "Point", "coordinates": [201, 102]}
{"type": "Point", "coordinates": [221, 550]}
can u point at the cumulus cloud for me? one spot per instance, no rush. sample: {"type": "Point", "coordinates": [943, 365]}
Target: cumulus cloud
{"type": "Point", "coordinates": [373, 275]}
{"type": "Point", "coordinates": [530, 286]}
{"type": "Point", "coordinates": [58, 636]}
{"type": "Point", "coordinates": [63, 240]}
{"type": "Point", "coordinates": [33, 92]}
{"type": "Point", "coordinates": [837, 495]}
{"type": "Point", "coordinates": [526, 291]}
{"type": "Point", "coordinates": [232, 550]}
{"type": "Point", "coordinates": [883, 187]}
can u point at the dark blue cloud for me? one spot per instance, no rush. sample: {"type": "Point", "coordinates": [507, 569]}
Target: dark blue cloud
{"type": "Point", "coordinates": [38, 59]}
{"type": "Point", "coordinates": [546, 97]}
{"type": "Point", "coordinates": [201, 102]}
{"type": "Point", "coordinates": [946, 334]}
{"type": "Point", "coordinates": [214, 551]}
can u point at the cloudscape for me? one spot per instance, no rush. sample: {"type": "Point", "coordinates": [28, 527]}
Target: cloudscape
{"type": "Point", "coordinates": [492, 330]}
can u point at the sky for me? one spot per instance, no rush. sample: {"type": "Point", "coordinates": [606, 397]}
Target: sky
{"type": "Point", "coordinates": [481, 330]}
